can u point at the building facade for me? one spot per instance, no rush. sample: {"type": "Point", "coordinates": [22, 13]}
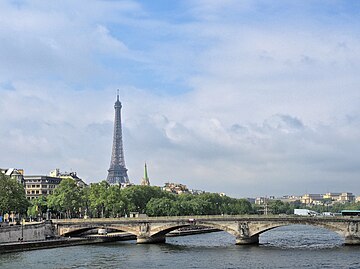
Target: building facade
{"type": "Point", "coordinates": [312, 199]}
{"type": "Point", "coordinates": [332, 196]}
{"type": "Point", "coordinates": [14, 173]}
{"type": "Point", "coordinates": [36, 185]}
{"type": "Point", "coordinates": [346, 197]}
{"type": "Point", "coordinates": [328, 198]}
{"type": "Point", "coordinates": [175, 188]}
{"type": "Point", "coordinates": [73, 175]}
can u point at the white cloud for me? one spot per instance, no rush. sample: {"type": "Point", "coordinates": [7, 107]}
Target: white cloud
{"type": "Point", "coordinates": [270, 106]}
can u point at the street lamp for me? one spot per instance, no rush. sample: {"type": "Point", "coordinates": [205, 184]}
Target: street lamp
{"type": "Point", "coordinates": [48, 215]}
{"type": "Point", "coordinates": [22, 228]}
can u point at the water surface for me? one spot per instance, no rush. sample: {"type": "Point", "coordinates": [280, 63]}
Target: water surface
{"type": "Point", "coordinates": [284, 247]}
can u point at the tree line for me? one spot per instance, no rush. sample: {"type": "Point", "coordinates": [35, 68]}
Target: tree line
{"type": "Point", "coordinates": [103, 200]}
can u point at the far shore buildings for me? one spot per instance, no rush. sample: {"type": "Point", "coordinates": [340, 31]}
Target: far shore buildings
{"type": "Point", "coordinates": [177, 188]}
{"type": "Point", "coordinates": [14, 173]}
{"type": "Point", "coordinates": [285, 199]}
{"type": "Point", "coordinates": [72, 175]}
{"type": "Point", "coordinates": [310, 199]}
{"type": "Point", "coordinates": [328, 198]}
{"type": "Point", "coordinates": [37, 185]}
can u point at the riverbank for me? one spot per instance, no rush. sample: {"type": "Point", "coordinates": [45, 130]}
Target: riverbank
{"type": "Point", "coordinates": [45, 244]}
{"type": "Point", "coordinates": [60, 242]}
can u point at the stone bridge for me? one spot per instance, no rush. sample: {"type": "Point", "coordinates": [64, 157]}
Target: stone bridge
{"type": "Point", "coordinates": [246, 229]}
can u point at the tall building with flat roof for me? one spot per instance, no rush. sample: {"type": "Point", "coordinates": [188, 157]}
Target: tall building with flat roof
{"type": "Point", "coordinates": [36, 185]}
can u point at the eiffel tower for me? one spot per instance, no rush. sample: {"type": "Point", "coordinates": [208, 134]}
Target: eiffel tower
{"type": "Point", "coordinates": [117, 173]}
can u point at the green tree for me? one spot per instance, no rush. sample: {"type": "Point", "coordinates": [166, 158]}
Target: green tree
{"type": "Point", "coordinates": [276, 207]}
{"type": "Point", "coordinates": [114, 204]}
{"type": "Point", "coordinates": [242, 206]}
{"type": "Point", "coordinates": [66, 198]}
{"type": "Point", "coordinates": [12, 196]}
{"type": "Point", "coordinates": [98, 198]}
{"type": "Point", "coordinates": [37, 206]}
{"type": "Point", "coordinates": [137, 197]}
{"type": "Point", "coordinates": [160, 207]}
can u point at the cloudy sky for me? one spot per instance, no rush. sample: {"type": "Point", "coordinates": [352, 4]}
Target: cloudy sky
{"type": "Point", "coordinates": [244, 97]}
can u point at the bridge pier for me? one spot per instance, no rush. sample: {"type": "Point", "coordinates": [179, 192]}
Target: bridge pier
{"type": "Point", "coordinates": [251, 240]}
{"type": "Point", "coordinates": [151, 239]}
{"type": "Point", "coordinates": [352, 240]}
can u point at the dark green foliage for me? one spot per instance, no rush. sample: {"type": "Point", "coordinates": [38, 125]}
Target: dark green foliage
{"type": "Point", "coordinates": [203, 204]}
{"type": "Point", "coordinates": [12, 196]}
{"type": "Point", "coordinates": [66, 199]}
{"type": "Point", "coordinates": [103, 200]}
{"type": "Point", "coordinates": [38, 207]}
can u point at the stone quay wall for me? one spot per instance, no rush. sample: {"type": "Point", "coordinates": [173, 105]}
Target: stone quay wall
{"type": "Point", "coordinates": [28, 232]}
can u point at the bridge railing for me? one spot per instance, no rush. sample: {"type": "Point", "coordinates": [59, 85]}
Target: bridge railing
{"type": "Point", "coordinates": [199, 217]}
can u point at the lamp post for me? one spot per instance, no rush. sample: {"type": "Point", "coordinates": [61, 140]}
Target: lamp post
{"type": "Point", "coordinates": [48, 215]}
{"type": "Point", "coordinates": [22, 228]}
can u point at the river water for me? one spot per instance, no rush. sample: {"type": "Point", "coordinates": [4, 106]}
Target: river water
{"type": "Point", "coordinates": [284, 247]}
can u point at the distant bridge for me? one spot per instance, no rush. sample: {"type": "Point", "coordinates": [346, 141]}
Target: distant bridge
{"type": "Point", "coordinates": [245, 228]}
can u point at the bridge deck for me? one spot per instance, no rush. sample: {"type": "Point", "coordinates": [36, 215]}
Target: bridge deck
{"type": "Point", "coordinates": [292, 218]}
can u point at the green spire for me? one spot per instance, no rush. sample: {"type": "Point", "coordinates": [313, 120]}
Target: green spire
{"type": "Point", "coordinates": [145, 173]}
{"type": "Point", "coordinates": [145, 181]}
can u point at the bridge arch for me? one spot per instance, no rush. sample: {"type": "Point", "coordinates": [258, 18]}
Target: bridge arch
{"type": "Point", "coordinates": [301, 235]}
{"type": "Point", "coordinates": [261, 228]}
{"type": "Point", "coordinates": [163, 230]}
{"type": "Point", "coordinates": [79, 230]}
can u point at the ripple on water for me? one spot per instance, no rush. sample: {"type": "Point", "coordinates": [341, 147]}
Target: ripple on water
{"type": "Point", "coordinates": [286, 247]}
